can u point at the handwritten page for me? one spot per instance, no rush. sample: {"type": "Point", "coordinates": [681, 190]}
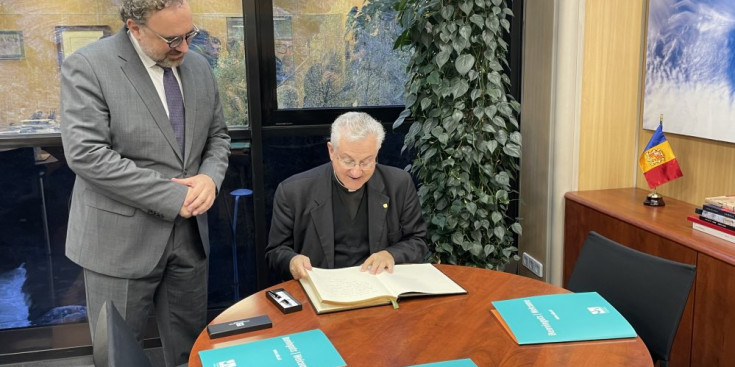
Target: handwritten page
{"type": "Point", "coordinates": [347, 285]}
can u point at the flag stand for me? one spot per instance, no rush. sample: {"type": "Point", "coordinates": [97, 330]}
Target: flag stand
{"type": "Point", "coordinates": [654, 199]}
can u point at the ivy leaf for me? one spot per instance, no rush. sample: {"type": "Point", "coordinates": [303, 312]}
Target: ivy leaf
{"type": "Point", "coordinates": [439, 133]}
{"type": "Point", "coordinates": [513, 150]}
{"type": "Point", "coordinates": [460, 88]}
{"type": "Point", "coordinates": [499, 122]}
{"type": "Point", "coordinates": [505, 24]}
{"type": "Point", "coordinates": [457, 238]}
{"type": "Point", "coordinates": [472, 208]}
{"type": "Point", "coordinates": [499, 232]}
{"type": "Point", "coordinates": [495, 65]}
{"type": "Point", "coordinates": [516, 227]}
{"type": "Point", "coordinates": [494, 78]}
{"type": "Point", "coordinates": [478, 111]}
{"type": "Point", "coordinates": [491, 146]}
{"type": "Point", "coordinates": [425, 103]}
{"type": "Point", "coordinates": [489, 249]}
{"type": "Point", "coordinates": [434, 78]}
{"type": "Point", "coordinates": [410, 100]}
{"type": "Point", "coordinates": [442, 58]}
{"type": "Point", "coordinates": [429, 153]}
{"type": "Point", "coordinates": [490, 111]}
{"type": "Point", "coordinates": [466, 7]}
{"type": "Point", "coordinates": [515, 137]}
{"type": "Point", "coordinates": [473, 74]}
{"type": "Point", "coordinates": [477, 19]}
{"type": "Point", "coordinates": [496, 217]}
{"type": "Point", "coordinates": [465, 31]}
{"type": "Point", "coordinates": [502, 178]}
{"type": "Point", "coordinates": [447, 12]}
{"type": "Point", "coordinates": [474, 95]}
{"type": "Point", "coordinates": [464, 63]}
{"type": "Point", "coordinates": [505, 110]}
{"type": "Point", "coordinates": [476, 249]}
{"type": "Point", "coordinates": [399, 121]}
{"type": "Point", "coordinates": [493, 24]}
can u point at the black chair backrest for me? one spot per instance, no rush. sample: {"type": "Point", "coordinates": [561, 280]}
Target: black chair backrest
{"type": "Point", "coordinates": [114, 344]}
{"type": "Point", "coordinates": [650, 292]}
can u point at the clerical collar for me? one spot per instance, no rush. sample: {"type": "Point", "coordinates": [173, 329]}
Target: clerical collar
{"type": "Point", "coordinates": [342, 186]}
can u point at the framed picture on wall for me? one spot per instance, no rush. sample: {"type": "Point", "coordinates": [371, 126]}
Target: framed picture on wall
{"type": "Point", "coordinates": [690, 68]}
{"type": "Point", "coordinates": [71, 38]}
{"type": "Point", "coordinates": [11, 45]}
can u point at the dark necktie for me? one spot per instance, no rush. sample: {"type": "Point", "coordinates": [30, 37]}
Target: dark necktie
{"type": "Point", "coordinates": [175, 105]}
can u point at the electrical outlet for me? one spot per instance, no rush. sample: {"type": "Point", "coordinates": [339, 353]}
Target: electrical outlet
{"type": "Point", "coordinates": [533, 265]}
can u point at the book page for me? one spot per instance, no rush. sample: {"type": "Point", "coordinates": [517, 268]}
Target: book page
{"type": "Point", "coordinates": [346, 285]}
{"type": "Point", "coordinates": [414, 279]}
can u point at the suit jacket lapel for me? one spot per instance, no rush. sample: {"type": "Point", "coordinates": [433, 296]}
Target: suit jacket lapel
{"type": "Point", "coordinates": [141, 81]}
{"type": "Point", "coordinates": [321, 214]}
{"type": "Point", "coordinates": [378, 203]}
{"type": "Point", "coordinates": [190, 98]}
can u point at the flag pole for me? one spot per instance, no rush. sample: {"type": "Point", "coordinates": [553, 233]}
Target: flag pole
{"type": "Point", "coordinates": [654, 199]}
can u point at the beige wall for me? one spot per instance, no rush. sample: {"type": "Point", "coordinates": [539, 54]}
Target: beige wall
{"type": "Point", "coordinates": [611, 134]}
{"type": "Point", "coordinates": [610, 84]}
{"type": "Point", "coordinates": [593, 137]}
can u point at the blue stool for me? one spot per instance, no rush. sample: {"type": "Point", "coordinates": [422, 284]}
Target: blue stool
{"type": "Point", "coordinates": [236, 279]}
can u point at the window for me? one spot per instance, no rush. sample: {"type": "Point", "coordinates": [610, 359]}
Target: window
{"type": "Point", "coordinates": [337, 54]}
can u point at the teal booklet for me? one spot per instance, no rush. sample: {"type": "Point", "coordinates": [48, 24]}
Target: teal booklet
{"type": "Point", "coordinates": [453, 363]}
{"type": "Point", "coordinates": [305, 349]}
{"type": "Point", "coordinates": [563, 317]}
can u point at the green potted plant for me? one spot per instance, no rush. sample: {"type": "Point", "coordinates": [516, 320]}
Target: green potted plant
{"type": "Point", "coordinates": [464, 127]}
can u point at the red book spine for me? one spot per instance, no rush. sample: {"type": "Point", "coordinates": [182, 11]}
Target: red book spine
{"type": "Point", "coordinates": [694, 219]}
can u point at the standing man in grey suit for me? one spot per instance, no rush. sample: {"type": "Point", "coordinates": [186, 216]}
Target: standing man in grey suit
{"type": "Point", "coordinates": [143, 129]}
{"type": "Point", "coordinates": [351, 211]}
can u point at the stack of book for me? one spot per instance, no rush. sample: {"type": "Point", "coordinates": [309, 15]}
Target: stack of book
{"type": "Point", "coordinates": [716, 217]}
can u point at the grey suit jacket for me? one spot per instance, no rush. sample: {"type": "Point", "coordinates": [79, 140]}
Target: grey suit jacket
{"type": "Point", "coordinates": [118, 140]}
{"type": "Point", "coordinates": [303, 222]}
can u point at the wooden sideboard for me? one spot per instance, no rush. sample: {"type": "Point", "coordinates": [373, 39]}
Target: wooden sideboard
{"type": "Point", "coordinates": [706, 335]}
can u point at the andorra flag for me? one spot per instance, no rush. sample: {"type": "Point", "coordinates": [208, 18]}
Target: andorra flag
{"type": "Point", "coordinates": [658, 162]}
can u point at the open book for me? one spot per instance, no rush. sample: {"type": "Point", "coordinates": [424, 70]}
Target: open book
{"type": "Point", "coordinates": [342, 289]}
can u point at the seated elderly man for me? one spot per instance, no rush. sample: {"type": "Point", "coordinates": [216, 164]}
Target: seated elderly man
{"type": "Point", "coordinates": [348, 212]}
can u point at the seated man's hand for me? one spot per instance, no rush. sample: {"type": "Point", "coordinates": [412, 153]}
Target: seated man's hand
{"type": "Point", "coordinates": [379, 261]}
{"type": "Point", "coordinates": [298, 266]}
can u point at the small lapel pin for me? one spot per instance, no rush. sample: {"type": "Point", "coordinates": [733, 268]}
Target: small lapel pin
{"type": "Point", "coordinates": [385, 206]}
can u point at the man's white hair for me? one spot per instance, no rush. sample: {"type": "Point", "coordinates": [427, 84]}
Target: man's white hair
{"type": "Point", "coordinates": [353, 126]}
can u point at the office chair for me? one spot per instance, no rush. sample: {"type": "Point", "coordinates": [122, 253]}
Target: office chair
{"type": "Point", "coordinates": [114, 344]}
{"type": "Point", "coordinates": [650, 292]}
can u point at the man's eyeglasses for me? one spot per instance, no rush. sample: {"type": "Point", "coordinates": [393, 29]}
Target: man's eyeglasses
{"type": "Point", "coordinates": [176, 41]}
{"type": "Point", "coordinates": [349, 163]}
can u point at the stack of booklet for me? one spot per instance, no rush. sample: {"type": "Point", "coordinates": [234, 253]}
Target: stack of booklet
{"type": "Point", "coordinates": [305, 349]}
{"type": "Point", "coordinates": [716, 217]}
{"type": "Point", "coordinates": [309, 348]}
{"type": "Point", "coordinates": [562, 317]}
{"type": "Point", "coordinates": [331, 290]}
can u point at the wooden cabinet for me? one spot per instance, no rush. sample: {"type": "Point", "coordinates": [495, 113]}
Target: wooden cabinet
{"type": "Point", "coordinates": [706, 335]}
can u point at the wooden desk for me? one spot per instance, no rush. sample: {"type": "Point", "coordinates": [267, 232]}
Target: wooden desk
{"type": "Point", "coordinates": [705, 337]}
{"type": "Point", "coordinates": [429, 329]}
